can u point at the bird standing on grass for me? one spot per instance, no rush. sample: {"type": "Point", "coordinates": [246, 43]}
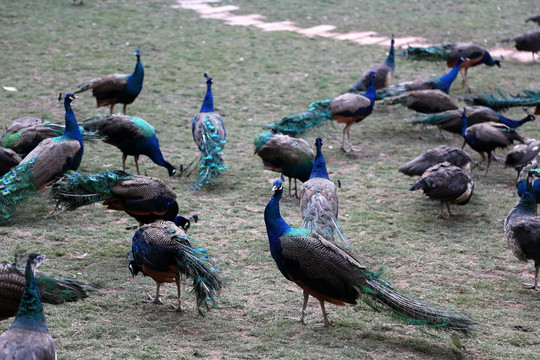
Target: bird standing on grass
{"type": "Point", "coordinates": [28, 337]}
{"type": "Point", "coordinates": [440, 154]}
{"type": "Point", "coordinates": [117, 88]}
{"type": "Point", "coordinates": [529, 41]}
{"type": "Point", "coordinates": [383, 73]}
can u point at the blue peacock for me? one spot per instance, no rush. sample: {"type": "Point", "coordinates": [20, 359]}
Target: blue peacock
{"type": "Point", "coordinates": [330, 274]}
{"type": "Point", "coordinates": [133, 136]}
{"type": "Point", "coordinates": [43, 165]}
{"type": "Point", "coordinates": [117, 88]}
{"type": "Point", "coordinates": [209, 134]}
{"type": "Point", "coordinates": [347, 108]}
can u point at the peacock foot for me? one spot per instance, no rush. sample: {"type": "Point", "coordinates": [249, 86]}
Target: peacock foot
{"type": "Point", "coordinates": [531, 286]}
{"type": "Point", "coordinates": [154, 300]}
{"type": "Point", "coordinates": [329, 323]}
{"type": "Point", "coordinates": [300, 319]}
{"type": "Point", "coordinates": [350, 149]}
{"type": "Point", "coordinates": [178, 308]}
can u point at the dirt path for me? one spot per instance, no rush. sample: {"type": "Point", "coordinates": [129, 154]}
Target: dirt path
{"type": "Point", "coordinates": [224, 13]}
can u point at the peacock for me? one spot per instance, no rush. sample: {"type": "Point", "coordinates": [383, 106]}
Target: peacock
{"type": "Point", "coordinates": [117, 88]}
{"type": "Point", "coordinates": [52, 289]}
{"type": "Point", "coordinates": [440, 154]}
{"type": "Point", "coordinates": [290, 156]}
{"type": "Point", "coordinates": [450, 120]}
{"type": "Point", "coordinates": [25, 134]}
{"type": "Point", "coordinates": [534, 18]}
{"type": "Point", "coordinates": [28, 336]}
{"type": "Point", "coordinates": [209, 135]}
{"type": "Point", "coordinates": [319, 201]}
{"type": "Point", "coordinates": [144, 198]}
{"type": "Point", "coordinates": [8, 159]}
{"type": "Point", "coordinates": [330, 274]}
{"type": "Point", "coordinates": [522, 154]}
{"type": "Point", "coordinates": [383, 73]}
{"type": "Point", "coordinates": [521, 182]}
{"type": "Point", "coordinates": [446, 183]}
{"type": "Point", "coordinates": [132, 135]}
{"type": "Point", "coordinates": [424, 101]}
{"type": "Point", "coordinates": [442, 83]}
{"type": "Point", "coordinates": [527, 98]}
{"type": "Point", "coordinates": [347, 108]}
{"type": "Point", "coordinates": [522, 228]}
{"type": "Point", "coordinates": [529, 41]}
{"type": "Point", "coordinates": [476, 55]}
{"type": "Point", "coordinates": [162, 251]}
{"type": "Point", "coordinates": [43, 165]}
{"type": "Point", "coordinates": [488, 136]}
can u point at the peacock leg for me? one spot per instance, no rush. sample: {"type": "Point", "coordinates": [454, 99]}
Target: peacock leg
{"type": "Point", "coordinates": [137, 163]}
{"type": "Point", "coordinates": [478, 162]}
{"type": "Point", "coordinates": [178, 308]}
{"type": "Point", "coordinates": [349, 138]}
{"type": "Point", "coordinates": [155, 300]}
{"type": "Point", "coordinates": [303, 314]}
{"type": "Point", "coordinates": [326, 322]}
{"type": "Point", "coordinates": [441, 213]}
{"type": "Point", "coordinates": [290, 187]}
{"type": "Point", "coordinates": [535, 284]}
{"type": "Point", "coordinates": [421, 136]}
{"type": "Point", "coordinates": [445, 136]}
{"type": "Point", "coordinates": [345, 132]}
{"type": "Point", "coordinates": [125, 109]}
{"type": "Point", "coordinates": [124, 157]}
{"type": "Point", "coordinates": [112, 108]}
{"type": "Point", "coordinates": [448, 207]}
{"type": "Point", "coordinates": [296, 189]}
{"type": "Point", "coordinates": [466, 80]}
{"type": "Point", "coordinates": [488, 163]}
{"type": "Point", "coordinates": [463, 146]}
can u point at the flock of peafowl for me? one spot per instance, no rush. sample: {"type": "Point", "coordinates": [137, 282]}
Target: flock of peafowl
{"type": "Point", "coordinates": [37, 156]}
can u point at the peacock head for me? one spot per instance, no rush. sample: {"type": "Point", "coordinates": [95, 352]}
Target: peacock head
{"type": "Point", "coordinates": [208, 79]}
{"type": "Point", "coordinates": [137, 53]}
{"type": "Point", "coordinates": [372, 75]}
{"type": "Point", "coordinates": [278, 185]}
{"type": "Point", "coordinates": [318, 142]}
{"type": "Point", "coordinates": [35, 260]}
{"type": "Point", "coordinates": [69, 97]}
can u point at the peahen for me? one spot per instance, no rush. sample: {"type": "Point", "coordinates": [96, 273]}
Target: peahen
{"type": "Point", "coordinates": [446, 183]}
{"type": "Point", "coordinates": [8, 159]}
{"type": "Point", "coordinates": [52, 289]}
{"type": "Point", "coordinates": [28, 336]}
{"type": "Point", "coordinates": [209, 135]}
{"type": "Point", "coordinates": [440, 154]}
{"type": "Point", "coordinates": [424, 101]}
{"type": "Point", "coordinates": [319, 201]}
{"type": "Point", "coordinates": [488, 136]}
{"type": "Point", "coordinates": [25, 134]}
{"type": "Point", "coordinates": [522, 154]}
{"type": "Point", "coordinates": [450, 120]}
{"type": "Point", "coordinates": [133, 136]}
{"type": "Point", "coordinates": [442, 83]}
{"type": "Point", "coordinates": [383, 73]}
{"type": "Point", "coordinates": [43, 165]}
{"type": "Point", "coordinates": [162, 251]}
{"type": "Point", "coordinates": [117, 88]}
{"type": "Point", "coordinates": [330, 274]}
{"type": "Point", "coordinates": [529, 41]}
{"type": "Point", "coordinates": [347, 108]}
{"type": "Point", "coordinates": [292, 157]}
{"type": "Point", "coordinates": [522, 228]}
{"type": "Point", "coordinates": [534, 18]}
{"type": "Point", "coordinates": [144, 198]}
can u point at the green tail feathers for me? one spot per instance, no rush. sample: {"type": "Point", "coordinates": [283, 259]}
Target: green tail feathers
{"type": "Point", "coordinates": [78, 189]}
{"type": "Point", "coordinates": [380, 295]}
{"type": "Point", "coordinates": [430, 53]}
{"type": "Point", "coordinates": [211, 162]}
{"type": "Point", "coordinates": [528, 98]}
{"type": "Point", "coordinates": [431, 119]}
{"type": "Point", "coordinates": [14, 186]}
{"type": "Point", "coordinates": [195, 263]}
{"type": "Point", "coordinates": [297, 124]}
{"type": "Point", "coordinates": [58, 290]}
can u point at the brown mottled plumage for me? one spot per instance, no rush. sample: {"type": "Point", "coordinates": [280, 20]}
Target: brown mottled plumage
{"type": "Point", "coordinates": [8, 159]}
{"type": "Point", "coordinates": [383, 73]}
{"type": "Point", "coordinates": [529, 41]}
{"type": "Point", "coordinates": [198, 122]}
{"type": "Point", "coordinates": [442, 153]}
{"type": "Point", "coordinates": [475, 55]}
{"type": "Point", "coordinates": [25, 134]}
{"type": "Point", "coordinates": [446, 183]}
{"type": "Point", "coordinates": [424, 101]}
{"type": "Point", "coordinates": [522, 154]}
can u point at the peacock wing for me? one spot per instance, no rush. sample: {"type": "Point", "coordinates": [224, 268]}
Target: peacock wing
{"type": "Point", "coordinates": [470, 51]}
{"type": "Point", "coordinates": [445, 182]}
{"type": "Point", "coordinates": [143, 187]}
{"type": "Point", "coordinates": [12, 283]}
{"type": "Point", "coordinates": [108, 84]}
{"type": "Point", "coordinates": [348, 103]}
{"type": "Point", "coordinates": [523, 236]}
{"type": "Point", "coordinates": [494, 133]}
{"type": "Point", "coordinates": [283, 150]}
{"type": "Point", "coordinates": [27, 343]}
{"type": "Point", "coordinates": [117, 128]}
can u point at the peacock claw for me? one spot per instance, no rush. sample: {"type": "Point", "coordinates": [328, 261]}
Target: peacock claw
{"type": "Point", "coordinates": [324, 324]}
{"type": "Point", "coordinates": [154, 300]}
{"type": "Point", "coordinates": [179, 309]}
{"type": "Point", "coordinates": [531, 286]}
{"type": "Point", "coordinates": [300, 319]}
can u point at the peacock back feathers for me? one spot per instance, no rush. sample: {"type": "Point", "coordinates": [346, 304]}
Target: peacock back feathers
{"type": "Point", "coordinates": [297, 124]}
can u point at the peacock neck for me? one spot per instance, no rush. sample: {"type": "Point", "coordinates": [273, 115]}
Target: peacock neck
{"type": "Point", "coordinates": [513, 123]}
{"type": "Point", "coordinates": [30, 313]}
{"type": "Point", "coordinates": [208, 102]}
{"type": "Point", "coordinates": [72, 128]}
{"type": "Point", "coordinates": [390, 59]}
{"type": "Point", "coordinates": [463, 124]}
{"type": "Point", "coordinates": [135, 80]}
{"type": "Point", "coordinates": [527, 202]}
{"type": "Point", "coordinates": [487, 59]}
{"type": "Point", "coordinates": [275, 225]}
{"type": "Point", "coordinates": [371, 91]}
{"type": "Point", "coordinates": [319, 166]}
{"type": "Point", "coordinates": [448, 79]}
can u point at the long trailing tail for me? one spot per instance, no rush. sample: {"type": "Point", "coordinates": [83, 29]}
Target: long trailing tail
{"type": "Point", "coordinates": [195, 264]}
{"type": "Point", "coordinates": [528, 98]}
{"type": "Point", "coordinates": [86, 135]}
{"type": "Point", "coordinates": [58, 290]}
{"type": "Point", "coordinates": [321, 218]}
{"type": "Point", "coordinates": [432, 119]}
{"type": "Point", "coordinates": [392, 90]}
{"type": "Point", "coordinates": [14, 186]}
{"type": "Point", "coordinates": [430, 53]}
{"type": "Point", "coordinates": [297, 124]}
{"type": "Point", "coordinates": [380, 295]}
{"type": "Point", "coordinates": [76, 189]}
{"type": "Point", "coordinates": [210, 161]}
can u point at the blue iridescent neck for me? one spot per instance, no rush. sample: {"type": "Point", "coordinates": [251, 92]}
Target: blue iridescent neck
{"type": "Point", "coordinates": [488, 60]}
{"type": "Point", "coordinates": [72, 128]}
{"type": "Point", "coordinates": [135, 80]}
{"type": "Point", "coordinates": [463, 124]}
{"type": "Point", "coordinates": [390, 59]}
{"type": "Point", "coordinates": [371, 92]}
{"type": "Point", "coordinates": [208, 103]}
{"type": "Point", "coordinates": [30, 313]}
{"type": "Point", "coordinates": [275, 225]}
{"type": "Point", "coordinates": [527, 202]}
{"type": "Point", "coordinates": [448, 79]}
{"type": "Point", "coordinates": [319, 165]}
{"type": "Point", "coordinates": [514, 123]}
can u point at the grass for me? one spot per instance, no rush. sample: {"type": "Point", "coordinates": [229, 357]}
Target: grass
{"type": "Point", "coordinates": [259, 77]}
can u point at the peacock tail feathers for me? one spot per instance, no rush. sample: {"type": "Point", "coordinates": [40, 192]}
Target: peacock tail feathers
{"type": "Point", "coordinates": [430, 53]}
{"type": "Point", "coordinates": [294, 125]}
{"type": "Point", "coordinates": [14, 185]}
{"type": "Point", "coordinates": [58, 290]}
{"type": "Point", "coordinates": [86, 135]}
{"type": "Point", "coordinates": [431, 119]}
{"type": "Point", "coordinates": [528, 98]}
{"type": "Point", "coordinates": [76, 189]}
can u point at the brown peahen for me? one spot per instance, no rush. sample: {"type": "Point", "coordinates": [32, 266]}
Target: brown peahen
{"type": "Point", "coordinates": [330, 274]}
{"type": "Point", "coordinates": [117, 88]}
{"type": "Point", "coordinates": [486, 137]}
{"type": "Point", "coordinates": [52, 289]}
{"type": "Point", "coordinates": [28, 337]}
{"type": "Point", "coordinates": [440, 154]}
{"type": "Point", "coordinates": [162, 251]}
{"type": "Point", "coordinates": [144, 198]}
{"type": "Point", "coordinates": [446, 183]}
{"type": "Point", "coordinates": [529, 41]}
{"type": "Point", "coordinates": [8, 159]}
{"type": "Point", "coordinates": [522, 228]}
{"type": "Point", "coordinates": [319, 201]}
{"type": "Point", "coordinates": [290, 156]}
{"type": "Point", "coordinates": [43, 165]}
{"type": "Point", "coordinates": [522, 154]}
{"type": "Point", "coordinates": [383, 73]}
{"type": "Point", "coordinates": [133, 136]}
{"type": "Point", "coordinates": [424, 101]}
